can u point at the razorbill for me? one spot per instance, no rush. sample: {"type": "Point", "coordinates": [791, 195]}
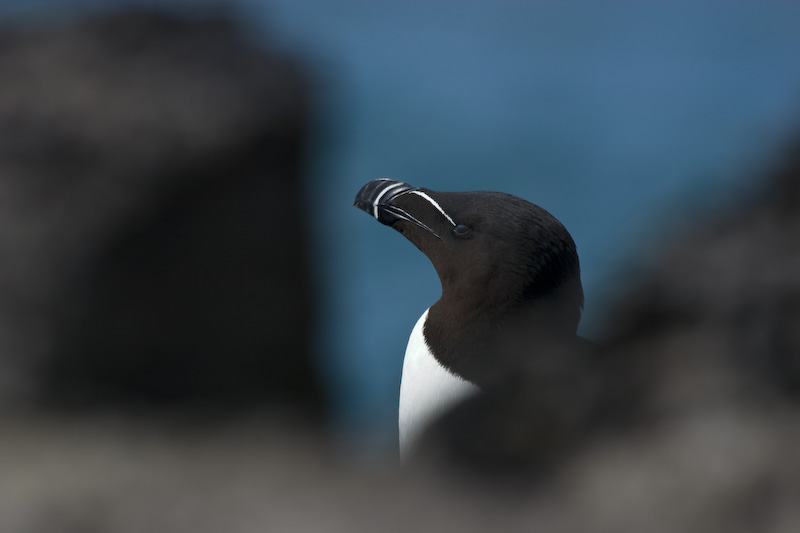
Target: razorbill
{"type": "Point", "coordinates": [508, 270]}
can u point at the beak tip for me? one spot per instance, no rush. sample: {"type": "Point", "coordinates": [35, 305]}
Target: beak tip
{"type": "Point", "coordinates": [375, 191]}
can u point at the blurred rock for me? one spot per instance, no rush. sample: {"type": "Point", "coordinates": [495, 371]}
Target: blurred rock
{"type": "Point", "coordinates": [719, 313]}
{"type": "Point", "coordinates": [152, 244]}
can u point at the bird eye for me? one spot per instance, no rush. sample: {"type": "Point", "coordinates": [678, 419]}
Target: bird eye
{"type": "Point", "coordinates": [461, 230]}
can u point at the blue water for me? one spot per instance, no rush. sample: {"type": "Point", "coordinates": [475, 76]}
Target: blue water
{"type": "Point", "coordinates": [624, 119]}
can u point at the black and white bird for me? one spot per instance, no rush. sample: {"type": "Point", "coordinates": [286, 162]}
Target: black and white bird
{"type": "Point", "coordinates": [510, 281]}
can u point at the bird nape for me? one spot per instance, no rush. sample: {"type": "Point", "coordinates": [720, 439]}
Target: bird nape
{"type": "Point", "coordinates": [511, 297]}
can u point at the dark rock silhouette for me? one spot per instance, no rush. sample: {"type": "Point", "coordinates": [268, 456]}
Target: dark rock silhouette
{"type": "Point", "coordinates": [154, 250]}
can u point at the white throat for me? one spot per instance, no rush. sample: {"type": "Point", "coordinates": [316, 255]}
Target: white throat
{"type": "Point", "coordinates": [427, 390]}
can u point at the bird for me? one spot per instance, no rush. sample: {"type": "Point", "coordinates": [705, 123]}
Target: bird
{"type": "Point", "coordinates": [511, 286]}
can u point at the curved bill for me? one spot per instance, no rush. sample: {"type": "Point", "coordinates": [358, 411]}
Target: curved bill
{"type": "Point", "coordinates": [376, 199]}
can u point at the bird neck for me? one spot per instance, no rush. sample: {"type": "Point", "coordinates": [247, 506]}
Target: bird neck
{"type": "Point", "coordinates": [479, 339]}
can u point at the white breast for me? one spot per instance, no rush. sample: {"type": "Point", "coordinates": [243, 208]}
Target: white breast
{"type": "Point", "coordinates": [427, 390]}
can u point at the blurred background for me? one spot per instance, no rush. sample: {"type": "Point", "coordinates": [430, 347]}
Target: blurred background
{"type": "Point", "coordinates": [134, 148]}
{"type": "Point", "coordinates": [622, 119]}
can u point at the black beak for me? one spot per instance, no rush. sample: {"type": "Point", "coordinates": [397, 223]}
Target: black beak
{"type": "Point", "coordinates": [376, 199]}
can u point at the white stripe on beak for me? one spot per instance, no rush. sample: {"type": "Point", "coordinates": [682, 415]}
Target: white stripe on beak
{"type": "Point", "coordinates": [433, 203]}
{"type": "Point", "coordinates": [378, 198]}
